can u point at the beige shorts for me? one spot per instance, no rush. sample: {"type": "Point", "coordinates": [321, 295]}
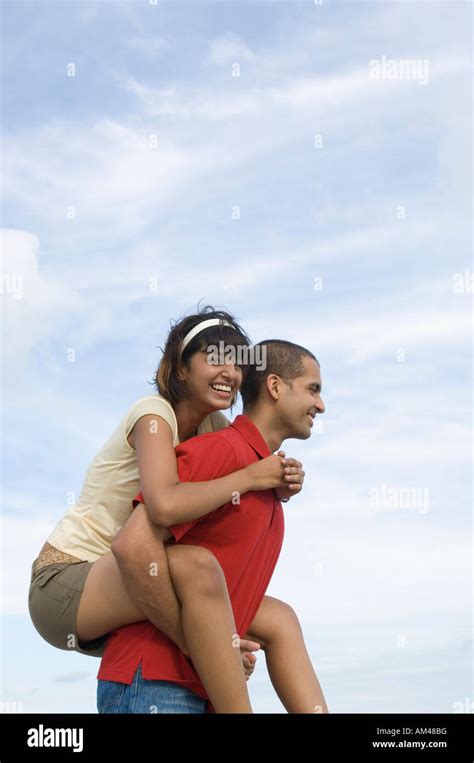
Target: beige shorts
{"type": "Point", "coordinates": [53, 601]}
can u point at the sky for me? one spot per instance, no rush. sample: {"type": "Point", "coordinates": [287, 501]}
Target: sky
{"type": "Point", "coordinates": [285, 162]}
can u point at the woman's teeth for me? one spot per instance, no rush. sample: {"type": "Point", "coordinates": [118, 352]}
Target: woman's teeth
{"type": "Point", "coordinates": [221, 387]}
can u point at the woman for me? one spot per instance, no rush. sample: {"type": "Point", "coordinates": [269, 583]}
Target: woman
{"type": "Point", "coordinates": [77, 593]}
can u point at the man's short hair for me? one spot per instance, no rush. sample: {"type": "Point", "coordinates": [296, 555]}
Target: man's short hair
{"type": "Point", "coordinates": [282, 358]}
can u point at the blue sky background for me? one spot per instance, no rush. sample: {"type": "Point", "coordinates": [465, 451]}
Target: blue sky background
{"type": "Point", "coordinates": [155, 144]}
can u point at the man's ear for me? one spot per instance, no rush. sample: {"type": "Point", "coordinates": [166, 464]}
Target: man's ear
{"type": "Point", "coordinates": [273, 383]}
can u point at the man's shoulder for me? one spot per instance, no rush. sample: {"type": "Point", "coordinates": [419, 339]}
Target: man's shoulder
{"type": "Point", "coordinates": [221, 438]}
{"type": "Point", "coordinates": [218, 450]}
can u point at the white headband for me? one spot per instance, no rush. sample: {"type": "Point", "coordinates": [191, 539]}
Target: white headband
{"type": "Point", "coordinates": [200, 327]}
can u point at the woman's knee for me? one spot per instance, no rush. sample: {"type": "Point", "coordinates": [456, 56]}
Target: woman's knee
{"type": "Point", "coordinates": [288, 621]}
{"type": "Point", "coordinates": [278, 619]}
{"type": "Point", "coordinates": [197, 567]}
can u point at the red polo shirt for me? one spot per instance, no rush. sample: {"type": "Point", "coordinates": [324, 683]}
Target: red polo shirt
{"type": "Point", "coordinates": [245, 538]}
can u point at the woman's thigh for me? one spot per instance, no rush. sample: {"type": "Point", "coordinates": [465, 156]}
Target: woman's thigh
{"type": "Point", "coordinates": [147, 697]}
{"type": "Point", "coordinates": [105, 603]}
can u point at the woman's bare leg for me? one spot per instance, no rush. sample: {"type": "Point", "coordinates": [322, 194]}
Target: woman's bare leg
{"type": "Point", "coordinates": [206, 616]}
{"type": "Point", "coordinates": [209, 629]}
{"type": "Point", "coordinates": [105, 603]}
{"type": "Point", "coordinates": [277, 628]}
{"type": "Point", "coordinates": [207, 620]}
{"type": "Point", "coordinates": [131, 584]}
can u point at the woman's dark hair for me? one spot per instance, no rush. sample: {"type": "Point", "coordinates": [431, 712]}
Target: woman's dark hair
{"type": "Point", "coordinates": [166, 379]}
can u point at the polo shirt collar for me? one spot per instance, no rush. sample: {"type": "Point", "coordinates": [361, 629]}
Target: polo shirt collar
{"type": "Point", "coordinates": [251, 434]}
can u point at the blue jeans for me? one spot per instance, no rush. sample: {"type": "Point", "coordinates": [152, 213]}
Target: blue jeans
{"type": "Point", "coordinates": [145, 696]}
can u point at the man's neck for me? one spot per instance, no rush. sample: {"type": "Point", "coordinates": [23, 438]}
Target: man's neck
{"type": "Point", "coordinates": [260, 417]}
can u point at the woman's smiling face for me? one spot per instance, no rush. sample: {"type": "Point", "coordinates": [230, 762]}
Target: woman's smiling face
{"type": "Point", "coordinates": [211, 386]}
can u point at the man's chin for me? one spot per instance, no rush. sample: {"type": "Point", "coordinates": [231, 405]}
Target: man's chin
{"type": "Point", "coordinates": [302, 434]}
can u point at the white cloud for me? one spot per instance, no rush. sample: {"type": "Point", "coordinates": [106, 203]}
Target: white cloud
{"type": "Point", "coordinates": [113, 176]}
{"type": "Point", "coordinates": [42, 303]}
{"type": "Point", "coordinates": [384, 570]}
{"type": "Point", "coordinates": [229, 48]}
{"type": "Point", "coordinates": [342, 91]}
{"type": "Point", "coordinates": [21, 543]}
{"type": "Point", "coordinates": [376, 328]}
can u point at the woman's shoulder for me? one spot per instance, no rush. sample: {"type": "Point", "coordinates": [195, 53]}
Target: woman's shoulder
{"type": "Point", "coordinates": [154, 404]}
{"type": "Point", "coordinates": [155, 397]}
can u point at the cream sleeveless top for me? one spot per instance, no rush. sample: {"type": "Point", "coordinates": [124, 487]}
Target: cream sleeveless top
{"type": "Point", "coordinates": [111, 482]}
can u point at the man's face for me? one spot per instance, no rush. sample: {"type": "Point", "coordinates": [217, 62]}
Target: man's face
{"type": "Point", "coordinates": [302, 401]}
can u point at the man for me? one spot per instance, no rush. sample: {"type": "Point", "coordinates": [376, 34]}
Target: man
{"type": "Point", "coordinates": [142, 670]}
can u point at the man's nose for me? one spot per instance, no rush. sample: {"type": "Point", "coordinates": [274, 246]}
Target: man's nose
{"type": "Point", "coordinates": [320, 405]}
